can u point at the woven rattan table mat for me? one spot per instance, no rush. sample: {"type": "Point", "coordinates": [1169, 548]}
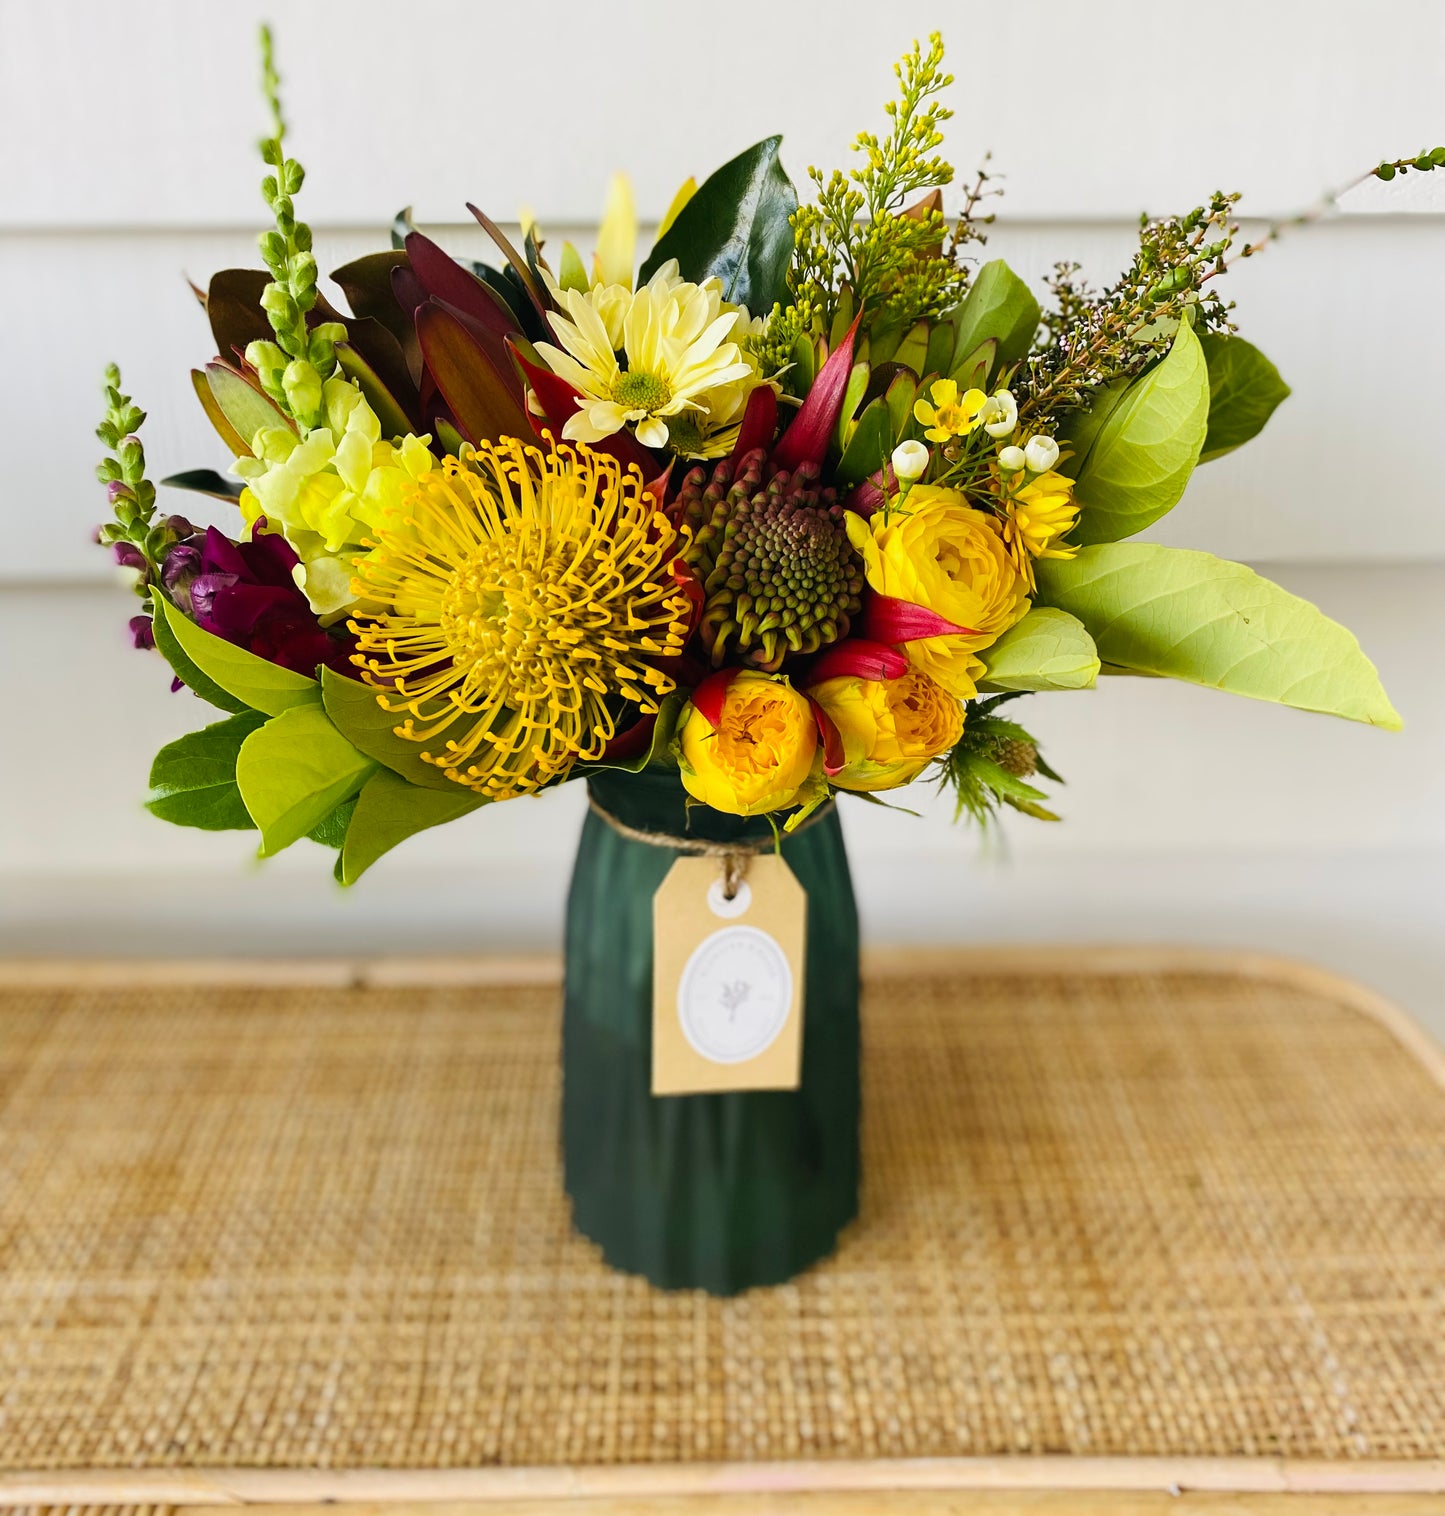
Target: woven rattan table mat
{"type": "Point", "coordinates": [1124, 1207]}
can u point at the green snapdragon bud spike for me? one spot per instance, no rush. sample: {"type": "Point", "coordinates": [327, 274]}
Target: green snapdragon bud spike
{"type": "Point", "coordinates": [777, 570]}
{"type": "Point", "coordinates": [293, 376]}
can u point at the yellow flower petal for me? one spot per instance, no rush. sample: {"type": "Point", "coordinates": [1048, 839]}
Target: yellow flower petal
{"type": "Point", "coordinates": [612, 263]}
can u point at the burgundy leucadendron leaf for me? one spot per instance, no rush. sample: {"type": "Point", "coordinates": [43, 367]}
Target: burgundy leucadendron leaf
{"type": "Point", "coordinates": [760, 421]}
{"type": "Point", "coordinates": [445, 279]}
{"type": "Point", "coordinates": [806, 439]}
{"type": "Point", "coordinates": [485, 406]}
{"type": "Point", "coordinates": [535, 292]}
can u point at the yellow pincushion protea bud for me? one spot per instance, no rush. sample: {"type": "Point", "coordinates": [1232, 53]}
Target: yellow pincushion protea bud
{"type": "Point", "coordinates": [510, 609]}
{"type": "Point", "coordinates": [891, 729]}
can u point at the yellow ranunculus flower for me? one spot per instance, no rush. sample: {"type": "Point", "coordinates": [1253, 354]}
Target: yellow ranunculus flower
{"type": "Point", "coordinates": [761, 752]}
{"type": "Point", "coordinates": [937, 551]}
{"type": "Point", "coordinates": [323, 492]}
{"type": "Point", "coordinates": [892, 729]}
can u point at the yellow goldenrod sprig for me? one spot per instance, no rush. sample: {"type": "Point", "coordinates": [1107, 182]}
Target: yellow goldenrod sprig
{"type": "Point", "coordinates": [293, 368]}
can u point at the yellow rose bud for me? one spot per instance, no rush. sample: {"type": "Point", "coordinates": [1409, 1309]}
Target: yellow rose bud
{"type": "Point", "coordinates": [760, 753]}
{"type": "Point", "coordinates": [892, 729]}
{"type": "Point", "coordinates": [938, 552]}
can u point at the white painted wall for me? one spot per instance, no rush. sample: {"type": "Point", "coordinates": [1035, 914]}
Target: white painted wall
{"type": "Point", "coordinates": [1190, 817]}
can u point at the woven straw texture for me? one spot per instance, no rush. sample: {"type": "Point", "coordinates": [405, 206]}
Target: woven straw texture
{"type": "Point", "coordinates": [1108, 1213]}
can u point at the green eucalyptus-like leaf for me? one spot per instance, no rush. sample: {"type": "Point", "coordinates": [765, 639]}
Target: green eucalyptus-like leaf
{"type": "Point", "coordinates": [1188, 615]}
{"type": "Point", "coordinates": [1244, 390]}
{"type": "Point", "coordinates": [193, 779]}
{"type": "Point", "coordinates": [998, 305]}
{"type": "Point", "coordinates": [293, 773]}
{"type": "Point", "coordinates": [389, 810]}
{"type": "Point", "coordinates": [1141, 457]}
{"type": "Point", "coordinates": [356, 713]}
{"type": "Point", "coordinates": [1048, 650]}
{"type": "Point", "coordinates": [738, 228]}
{"type": "Point", "coordinates": [972, 373]}
{"type": "Point", "coordinates": [252, 681]}
{"type": "Point", "coordinates": [246, 409]}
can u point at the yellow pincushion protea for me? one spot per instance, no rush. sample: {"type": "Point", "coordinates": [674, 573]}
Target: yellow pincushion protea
{"type": "Point", "coordinates": [512, 608]}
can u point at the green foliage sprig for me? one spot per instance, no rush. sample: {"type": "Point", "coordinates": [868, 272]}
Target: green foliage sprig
{"type": "Point", "coordinates": [856, 237]}
{"type": "Point", "coordinates": [992, 763]}
{"type": "Point", "coordinates": [293, 368]}
{"type": "Point", "coordinates": [1092, 338]}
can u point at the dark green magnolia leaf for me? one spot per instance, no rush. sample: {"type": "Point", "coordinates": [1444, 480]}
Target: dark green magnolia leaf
{"type": "Point", "coordinates": [1140, 460]}
{"type": "Point", "coordinates": [999, 305]}
{"type": "Point", "coordinates": [1188, 615]}
{"type": "Point", "coordinates": [206, 481]}
{"type": "Point", "coordinates": [389, 810]}
{"type": "Point", "coordinates": [257, 684]}
{"type": "Point", "coordinates": [737, 227]}
{"type": "Point", "coordinates": [183, 667]}
{"type": "Point", "coordinates": [294, 771]}
{"type": "Point", "coordinates": [233, 307]}
{"type": "Point", "coordinates": [1244, 390]}
{"type": "Point", "coordinates": [193, 780]}
{"type": "Point", "coordinates": [353, 707]}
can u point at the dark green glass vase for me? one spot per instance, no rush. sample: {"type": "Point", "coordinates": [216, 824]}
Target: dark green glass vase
{"type": "Point", "coordinates": [712, 1192]}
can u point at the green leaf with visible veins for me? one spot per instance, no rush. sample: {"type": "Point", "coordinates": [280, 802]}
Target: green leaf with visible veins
{"type": "Point", "coordinates": [1188, 615]}
{"type": "Point", "coordinates": [193, 779]}
{"type": "Point", "coordinates": [1244, 390]}
{"type": "Point", "coordinates": [1048, 650]}
{"type": "Point", "coordinates": [1142, 456]}
{"type": "Point", "coordinates": [294, 771]}
{"type": "Point", "coordinates": [358, 715]}
{"type": "Point", "coordinates": [389, 810]}
{"type": "Point", "coordinates": [999, 307]}
{"type": "Point", "coordinates": [253, 681]}
{"type": "Point", "coordinates": [738, 228]}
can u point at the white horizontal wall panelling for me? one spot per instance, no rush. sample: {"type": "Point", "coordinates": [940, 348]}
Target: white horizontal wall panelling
{"type": "Point", "coordinates": [1343, 471]}
{"type": "Point", "coordinates": [110, 114]}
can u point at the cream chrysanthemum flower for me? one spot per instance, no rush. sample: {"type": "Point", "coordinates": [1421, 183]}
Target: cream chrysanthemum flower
{"type": "Point", "coordinates": [664, 360]}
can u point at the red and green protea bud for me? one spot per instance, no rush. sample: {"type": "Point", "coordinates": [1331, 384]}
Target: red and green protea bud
{"type": "Point", "coordinates": [777, 570]}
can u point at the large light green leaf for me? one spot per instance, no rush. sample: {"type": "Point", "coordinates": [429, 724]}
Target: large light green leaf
{"type": "Point", "coordinates": [1192, 616]}
{"type": "Point", "coordinates": [193, 779]}
{"type": "Point", "coordinates": [260, 685]}
{"type": "Point", "coordinates": [1143, 454]}
{"type": "Point", "coordinates": [389, 810]}
{"type": "Point", "coordinates": [1048, 650]}
{"type": "Point", "coordinates": [353, 707]}
{"type": "Point", "coordinates": [182, 666]}
{"type": "Point", "coordinates": [999, 305]}
{"type": "Point", "coordinates": [1244, 389]}
{"type": "Point", "coordinates": [295, 771]}
{"type": "Point", "coordinates": [738, 227]}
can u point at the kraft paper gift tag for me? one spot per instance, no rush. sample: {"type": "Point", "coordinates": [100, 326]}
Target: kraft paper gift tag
{"type": "Point", "coordinates": [727, 997]}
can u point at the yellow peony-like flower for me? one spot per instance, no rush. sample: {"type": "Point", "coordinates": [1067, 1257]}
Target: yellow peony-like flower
{"type": "Point", "coordinates": [892, 729]}
{"type": "Point", "coordinates": [510, 607]}
{"type": "Point", "coordinates": [760, 754]}
{"type": "Point", "coordinates": [950, 415]}
{"type": "Point", "coordinates": [1035, 515]}
{"type": "Point", "coordinates": [938, 552]}
{"type": "Point", "coordinates": [685, 379]}
{"type": "Point", "coordinates": [325, 491]}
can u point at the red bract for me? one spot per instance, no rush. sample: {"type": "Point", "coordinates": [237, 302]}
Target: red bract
{"type": "Point", "coordinates": [806, 439]}
{"type": "Point", "coordinates": [888, 620]}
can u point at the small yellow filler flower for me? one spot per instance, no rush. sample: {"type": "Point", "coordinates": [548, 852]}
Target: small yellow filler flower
{"type": "Point", "coordinates": [951, 414]}
{"type": "Point", "coordinates": [509, 607]}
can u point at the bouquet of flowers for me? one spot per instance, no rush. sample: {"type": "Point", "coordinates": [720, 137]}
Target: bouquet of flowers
{"type": "Point", "coordinates": [794, 508]}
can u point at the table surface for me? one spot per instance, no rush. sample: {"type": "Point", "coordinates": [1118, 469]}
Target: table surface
{"type": "Point", "coordinates": [1134, 1221]}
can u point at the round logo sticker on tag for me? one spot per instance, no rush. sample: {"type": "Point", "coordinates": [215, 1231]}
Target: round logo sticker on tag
{"type": "Point", "coordinates": [734, 995]}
